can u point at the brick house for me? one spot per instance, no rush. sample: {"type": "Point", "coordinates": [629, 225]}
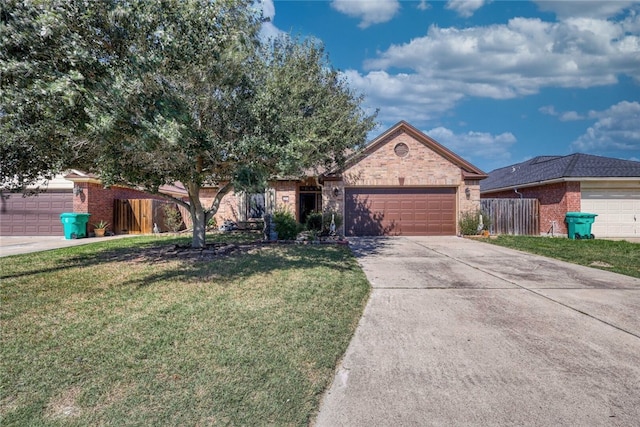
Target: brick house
{"type": "Point", "coordinates": [605, 186]}
{"type": "Point", "coordinates": [90, 196]}
{"type": "Point", "coordinates": [402, 183]}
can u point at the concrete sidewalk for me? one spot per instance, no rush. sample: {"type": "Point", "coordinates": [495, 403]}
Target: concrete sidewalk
{"type": "Point", "coordinates": [16, 245]}
{"type": "Point", "coordinates": [463, 333]}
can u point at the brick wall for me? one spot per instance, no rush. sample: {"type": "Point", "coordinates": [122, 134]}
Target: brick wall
{"type": "Point", "coordinates": [98, 201]}
{"type": "Point", "coordinates": [555, 201]}
{"type": "Point", "coordinates": [286, 193]}
{"type": "Point", "coordinates": [419, 167]}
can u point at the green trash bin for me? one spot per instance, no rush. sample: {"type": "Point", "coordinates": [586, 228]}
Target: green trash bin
{"type": "Point", "coordinates": [74, 224]}
{"type": "Point", "coordinates": [579, 225]}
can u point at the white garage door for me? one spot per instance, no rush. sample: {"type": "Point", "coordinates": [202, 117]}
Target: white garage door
{"type": "Point", "coordinates": [618, 211]}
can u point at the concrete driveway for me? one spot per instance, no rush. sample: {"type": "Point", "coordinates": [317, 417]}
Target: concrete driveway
{"type": "Point", "coordinates": [463, 333]}
{"type": "Point", "coordinates": [17, 245]}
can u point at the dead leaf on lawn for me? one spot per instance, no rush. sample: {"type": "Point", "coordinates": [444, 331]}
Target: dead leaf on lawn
{"type": "Point", "coordinates": [600, 264]}
{"type": "Point", "coordinates": [64, 405]}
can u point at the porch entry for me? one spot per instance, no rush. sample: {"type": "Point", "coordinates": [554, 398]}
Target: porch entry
{"type": "Point", "coordinates": [309, 200]}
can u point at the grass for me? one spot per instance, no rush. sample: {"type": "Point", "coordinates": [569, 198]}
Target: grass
{"type": "Point", "coordinates": [107, 334]}
{"type": "Point", "coordinates": [618, 256]}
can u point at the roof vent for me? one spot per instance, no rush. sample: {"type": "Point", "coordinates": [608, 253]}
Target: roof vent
{"type": "Point", "coordinates": [401, 149]}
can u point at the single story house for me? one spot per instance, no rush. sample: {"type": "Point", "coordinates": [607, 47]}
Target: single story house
{"type": "Point", "coordinates": [73, 191]}
{"type": "Point", "coordinates": [605, 186]}
{"type": "Point", "coordinates": [402, 183]}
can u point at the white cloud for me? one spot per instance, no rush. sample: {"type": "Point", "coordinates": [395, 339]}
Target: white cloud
{"type": "Point", "coordinates": [565, 116]}
{"type": "Point", "coordinates": [589, 8]}
{"type": "Point", "coordinates": [423, 5]}
{"type": "Point", "coordinates": [520, 58]}
{"type": "Point", "coordinates": [268, 30]}
{"type": "Point", "coordinates": [617, 128]}
{"type": "Point", "coordinates": [549, 110]}
{"type": "Point", "coordinates": [369, 11]}
{"type": "Point", "coordinates": [569, 116]}
{"type": "Point", "coordinates": [475, 145]}
{"type": "Point", "coordinates": [499, 61]}
{"type": "Point", "coordinates": [404, 95]}
{"type": "Point", "coordinates": [465, 8]}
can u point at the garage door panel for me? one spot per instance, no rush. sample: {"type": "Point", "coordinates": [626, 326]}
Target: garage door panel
{"type": "Point", "coordinates": [618, 211]}
{"type": "Point", "coordinates": [400, 211]}
{"type": "Point", "coordinates": [34, 215]}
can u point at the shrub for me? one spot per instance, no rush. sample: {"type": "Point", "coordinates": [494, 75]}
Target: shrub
{"type": "Point", "coordinates": [212, 224]}
{"type": "Point", "coordinates": [286, 225]}
{"type": "Point", "coordinates": [172, 217]}
{"type": "Point", "coordinates": [470, 222]}
{"type": "Point", "coordinates": [314, 221]}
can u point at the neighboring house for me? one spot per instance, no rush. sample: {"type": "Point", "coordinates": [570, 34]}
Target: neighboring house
{"type": "Point", "coordinates": [402, 183]}
{"type": "Point", "coordinates": [604, 186]}
{"type": "Point", "coordinates": [90, 196]}
{"type": "Point", "coordinates": [74, 191]}
{"type": "Point", "coordinates": [39, 214]}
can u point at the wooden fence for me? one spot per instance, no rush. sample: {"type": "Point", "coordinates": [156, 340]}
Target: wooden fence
{"type": "Point", "coordinates": [137, 216]}
{"type": "Point", "coordinates": [512, 216]}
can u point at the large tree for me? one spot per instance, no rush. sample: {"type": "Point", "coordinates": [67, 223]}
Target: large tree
{"type": "Point", "coordinates": [170, 91]}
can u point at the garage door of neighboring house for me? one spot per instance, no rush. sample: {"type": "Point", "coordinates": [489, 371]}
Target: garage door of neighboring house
{"type": "Point", "coordinates": [34, 215]}
{"type": "Point", "coordinates": [400, 211]}
{"type": "Point", "coordinates": [618, 211]}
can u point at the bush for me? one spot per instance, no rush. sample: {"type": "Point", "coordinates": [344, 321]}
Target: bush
{"type": "Point", "coordinates": [286, 225]}
{"type": "Point", "coordinates": [314, 221]}
{"type": "Point", "coordinates": [172, 217]}
{"type": "Point", "coordinates": [470, 222]}
{"type": "Point", "coordinates": [321, 222]}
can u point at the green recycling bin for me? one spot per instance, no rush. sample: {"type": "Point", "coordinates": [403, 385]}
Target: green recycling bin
{"type": "Point", "coordinates": [579, 225]}
{"type": "Point", "coordinates": [74, 224]}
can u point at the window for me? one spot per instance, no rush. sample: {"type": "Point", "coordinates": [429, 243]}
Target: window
{"type": "Point", "coordinates": [255, 206]}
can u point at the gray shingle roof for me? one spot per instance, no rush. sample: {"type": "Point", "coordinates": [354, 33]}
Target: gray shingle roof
{"type": "Point", "coordinates": [547, 168]}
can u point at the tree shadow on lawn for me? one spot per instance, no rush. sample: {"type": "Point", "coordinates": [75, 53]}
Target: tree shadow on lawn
{"type": "Point", "coordinates": [220, 261]}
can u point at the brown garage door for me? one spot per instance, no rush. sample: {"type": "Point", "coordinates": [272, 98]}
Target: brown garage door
{"type": "Point", "coordinates": [34, 215]}
{"type": "Point", "coordinates": [400, 211]}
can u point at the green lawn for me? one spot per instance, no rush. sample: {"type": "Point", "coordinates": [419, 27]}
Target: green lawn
{"type": "Point", "coordinates": [618, 256]}
{"type": "Point", "coordinates": [118, 333]}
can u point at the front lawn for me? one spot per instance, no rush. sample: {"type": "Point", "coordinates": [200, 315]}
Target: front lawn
{"type": "Point", "coordinates": [618, 256]}
{"type": "Point", "coordinates": [126, 333]}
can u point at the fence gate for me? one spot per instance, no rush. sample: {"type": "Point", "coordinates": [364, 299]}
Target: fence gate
{"type": "Point", "coordinates": [512, 216]}
{"type": "Point", "coordinates": [137, 216]}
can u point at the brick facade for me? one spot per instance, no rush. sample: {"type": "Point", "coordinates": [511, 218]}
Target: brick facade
{"type": "Point", "coordinates": [401, 157]}
{"type": "Point", "coordinates": [420, 166]}
{"type": "Point", "coordinates": [98, 201]}
{"type": "Point", "coordinates": [555, 201]}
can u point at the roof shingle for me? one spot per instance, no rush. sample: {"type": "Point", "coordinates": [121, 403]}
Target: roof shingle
{"type": "Point", "coordinates": [548, 168]}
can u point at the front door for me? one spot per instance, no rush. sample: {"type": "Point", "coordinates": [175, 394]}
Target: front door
{"type": "Point", "coordinates": [310, 200]}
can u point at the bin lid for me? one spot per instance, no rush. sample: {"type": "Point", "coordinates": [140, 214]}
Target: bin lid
{"type": "Point", "coordinates": [581, 215]}
{"type": "Point", "coordinates": [73, 215]}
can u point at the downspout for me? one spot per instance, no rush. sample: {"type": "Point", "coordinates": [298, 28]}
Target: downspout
{"type": "Point", "coordinates": [519, 194]}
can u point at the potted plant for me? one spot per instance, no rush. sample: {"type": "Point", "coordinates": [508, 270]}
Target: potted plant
{"type": "Point", "coordinates": [100, 228]}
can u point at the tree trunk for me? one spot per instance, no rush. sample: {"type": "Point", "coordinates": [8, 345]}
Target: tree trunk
{"type": "Point", "coordinates": [198, 216]}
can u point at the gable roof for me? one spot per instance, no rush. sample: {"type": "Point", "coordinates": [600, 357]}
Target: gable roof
{"type": "Point", "coordinates": [573, 167]}
{"type": "Point", "coordinates": [469, 171]}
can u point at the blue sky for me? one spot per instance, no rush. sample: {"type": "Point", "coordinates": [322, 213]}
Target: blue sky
{"type": "Point", "coordinates": [497, 82]}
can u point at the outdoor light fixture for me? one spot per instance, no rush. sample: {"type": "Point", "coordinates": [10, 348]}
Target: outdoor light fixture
{"type": "Point", "coordinates": [77, 190]}
{"type": "Point", "coordinates": [467, 191]}
{"type": "Point", "coordinates": [336, 191]}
